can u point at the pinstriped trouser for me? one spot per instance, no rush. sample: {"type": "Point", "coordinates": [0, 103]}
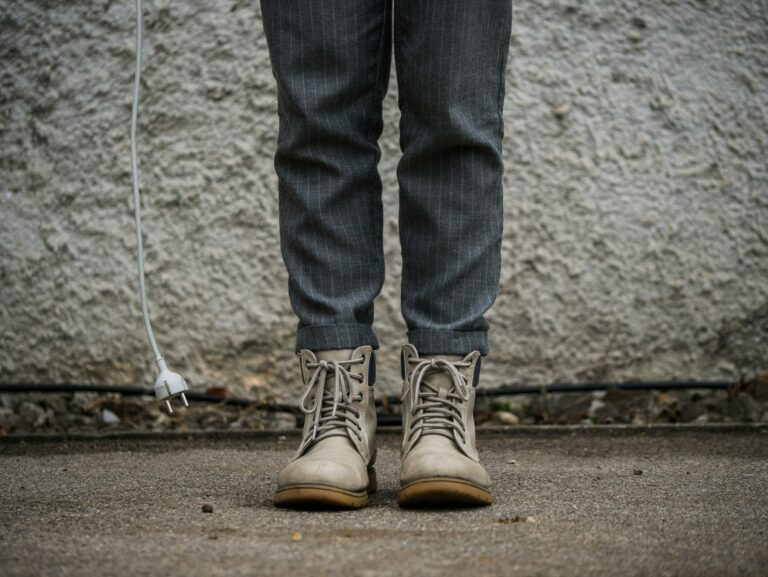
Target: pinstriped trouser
{"type": "Point", "coordinates": [331, 61]}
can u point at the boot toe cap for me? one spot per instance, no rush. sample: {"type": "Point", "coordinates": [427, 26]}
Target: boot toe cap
{"type": "Point", "coordinates": [324, 472]}
{"type": "Point", "coordinates": [424, 465]}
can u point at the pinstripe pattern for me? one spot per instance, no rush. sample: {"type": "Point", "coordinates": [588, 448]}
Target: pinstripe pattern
{"type": "Point", "coordinates": [331, 61]}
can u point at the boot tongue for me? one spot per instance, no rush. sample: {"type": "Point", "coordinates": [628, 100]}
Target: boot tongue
{"type": "Point", "coordinates": [442, 380]}
{"type": "Point", "coordinates": [333, 355]}
{"type": "Point", "coordinates": [336, 442]}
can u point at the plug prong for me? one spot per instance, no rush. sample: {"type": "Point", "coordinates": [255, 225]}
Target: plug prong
{"type": "Point", "coordinates": [184, 399]}
{"type": "Point", "coordinates": [168, 404]}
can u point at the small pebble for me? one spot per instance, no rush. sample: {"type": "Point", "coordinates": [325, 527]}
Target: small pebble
{"type": "Point", "coordinates": [296, 536]}
{"type": "Point", "coordinates": [506, 418]}
{"type": "Point", "coordinates": [638, 472]}
{"type": "Point", "coordinates": [109, 418]}
{"type": "Point", "coordinates": [207, 508]}
{"type": "Point", "coordinates": [511, 462]}
{"type": "Point", "coordinates": [518, 519]}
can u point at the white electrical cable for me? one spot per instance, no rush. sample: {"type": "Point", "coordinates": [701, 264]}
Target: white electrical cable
{"type": "Point", "coordinates": [135, 177]}
{"type": "Point", "coordinates": [168, 384]}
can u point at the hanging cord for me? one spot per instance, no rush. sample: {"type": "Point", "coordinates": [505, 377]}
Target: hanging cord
{"type": "Point", "coordinates": [168, 384]}
{"type": "Point", "coordinates": [135, 178]}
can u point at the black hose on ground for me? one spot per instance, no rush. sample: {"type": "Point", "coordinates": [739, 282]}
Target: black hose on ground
{"type": "Point", "coordinates": [389, 400]}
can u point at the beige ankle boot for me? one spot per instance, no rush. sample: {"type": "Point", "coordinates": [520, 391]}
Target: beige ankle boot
{"type": "Point", "coordinates": [440, 465]}
{"type": "Point", "coordinates": [333, 466]}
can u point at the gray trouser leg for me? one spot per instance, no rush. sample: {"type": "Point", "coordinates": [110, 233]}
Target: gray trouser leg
{"type": "Point", "coordinates": [331, 60]}
{"type": "Point", "coordinates": [450, 57]}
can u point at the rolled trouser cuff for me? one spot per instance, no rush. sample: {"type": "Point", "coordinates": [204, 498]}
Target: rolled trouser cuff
{"type": "Point", "coordinates": [449, 342]}
{"type": "Point", "coordinates": [342, 336]}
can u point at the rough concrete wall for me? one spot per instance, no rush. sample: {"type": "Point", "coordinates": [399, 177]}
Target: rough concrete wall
{"type": "Point", "coordinates": [636, 196]}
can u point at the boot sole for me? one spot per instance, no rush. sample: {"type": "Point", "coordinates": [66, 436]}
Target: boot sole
{"type": "Point", "coordinates": [442, 491]}
{"type": "Point", "coordinates": [324, 496]}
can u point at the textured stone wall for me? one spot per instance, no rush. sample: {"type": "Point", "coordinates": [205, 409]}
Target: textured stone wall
{"type": "Point", "coordinates": [636, 196]}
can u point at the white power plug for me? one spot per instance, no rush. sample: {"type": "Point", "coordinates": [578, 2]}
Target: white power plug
{"type": "Point", "coordinates": [169, 385]}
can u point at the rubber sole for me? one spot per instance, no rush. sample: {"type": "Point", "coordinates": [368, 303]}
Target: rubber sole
{"type": "Point", "coordinates": [312, 496]}
{"type": "Point", "coordinates": [443, 492]}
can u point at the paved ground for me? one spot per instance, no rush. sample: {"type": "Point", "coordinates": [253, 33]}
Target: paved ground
{"type": "Point", "coordinates": [133, 506]}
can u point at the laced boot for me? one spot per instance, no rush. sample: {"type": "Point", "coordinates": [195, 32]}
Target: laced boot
{"type": "Point", "coordinates": [440, 465]}
{"type": "Point", "coordinates": [333, 466]}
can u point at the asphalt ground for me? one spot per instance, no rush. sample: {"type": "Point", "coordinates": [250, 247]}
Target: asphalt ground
{"type": "Point", "coordinates": [670, 500]}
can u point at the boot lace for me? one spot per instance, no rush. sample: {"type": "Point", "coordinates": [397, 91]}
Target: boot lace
{"type": "Point", "coordinates": [433, 412]}
{"type": "Point", "coordinates": [330, 408]}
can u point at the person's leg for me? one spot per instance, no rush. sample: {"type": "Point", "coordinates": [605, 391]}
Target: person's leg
{"type": "Point", "coordinates": [450, 57]}
{"type": "Point", "coordinates": [331, 62]}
